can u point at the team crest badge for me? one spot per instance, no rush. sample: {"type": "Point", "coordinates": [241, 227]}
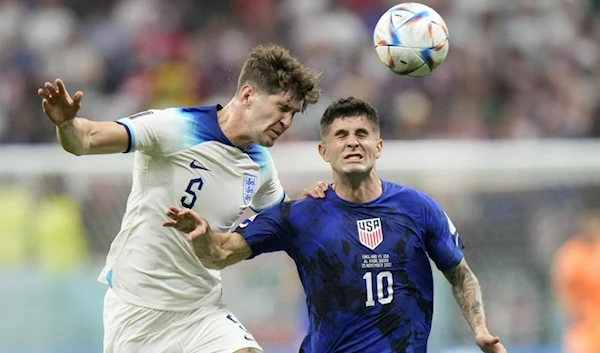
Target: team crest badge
{"type": "Point", "coordinates": [370, 233]}
{"type": "Point", "coordinates": [250, 186]}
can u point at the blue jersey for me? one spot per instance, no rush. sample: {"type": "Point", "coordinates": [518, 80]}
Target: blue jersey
{"type": "Point", "coordinates": [364, 267]}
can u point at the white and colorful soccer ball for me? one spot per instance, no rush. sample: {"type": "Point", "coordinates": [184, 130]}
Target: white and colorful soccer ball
{"type": "Point", "coordinates": [411, 39]}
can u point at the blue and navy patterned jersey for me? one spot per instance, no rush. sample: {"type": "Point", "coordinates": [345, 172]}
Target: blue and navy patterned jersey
{"type": "Point", "coordinates": [364, 267]}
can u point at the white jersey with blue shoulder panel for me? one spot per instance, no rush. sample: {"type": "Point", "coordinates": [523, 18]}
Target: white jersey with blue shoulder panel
{"type": "Point", "coordinates": [182, 158]}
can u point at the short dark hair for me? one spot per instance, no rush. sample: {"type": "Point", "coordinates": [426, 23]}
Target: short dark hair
{"type": "Point", "coordinates": [344, 107]}
{"type": "Point", "coordinates": [272, 69]}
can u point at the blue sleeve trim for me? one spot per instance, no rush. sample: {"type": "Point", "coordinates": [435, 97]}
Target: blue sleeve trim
{"type": "Point", "coordinates": [109, 277]}
{"type": "Point", "coordinates": [130, 141]}
{"type": "Point", "coordinates": [276, 203]}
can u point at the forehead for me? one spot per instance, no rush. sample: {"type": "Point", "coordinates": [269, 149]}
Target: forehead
{"type": "Point", "coordinates": [285, 98]}
{"type": "Point", "coordinates": [351, 123]}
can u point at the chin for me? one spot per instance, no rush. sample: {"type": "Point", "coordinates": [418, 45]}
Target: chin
{"type": "Point", "coordinates": [267, 142]}
{"type": "Point", "coordinates": [270, 142]}
{"type": "Point", "coordinates": [355, 169]}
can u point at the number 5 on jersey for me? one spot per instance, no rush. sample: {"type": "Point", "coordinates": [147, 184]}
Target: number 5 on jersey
{"type": "Point", "coordinates": [195, 185]}
{"type": "Point", "coordinates": [384, 281]}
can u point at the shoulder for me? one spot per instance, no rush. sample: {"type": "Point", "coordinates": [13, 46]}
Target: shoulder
{"type": "Point", "coordinates": [197, 114]}
{"type": "Point", "coordinates": [408, 195]}
{"type": "Point", "coordinates": [301, 207]}
{"type": "Point", "coordinates": [201, 122]}
{"type": "Point", "coordinates": [260, 155]}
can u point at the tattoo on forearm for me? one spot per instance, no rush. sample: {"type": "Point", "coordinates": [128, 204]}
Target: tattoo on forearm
{"type": "Point", "coordinates": [466, 290]}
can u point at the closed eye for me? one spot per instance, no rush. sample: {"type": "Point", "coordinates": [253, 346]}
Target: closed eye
{"type": "Point", "coordinates": [341, 133]}
{"type": "Point", "coordinates": [287, 108]}
{"type": "Point", "coordinates": [362, 133]}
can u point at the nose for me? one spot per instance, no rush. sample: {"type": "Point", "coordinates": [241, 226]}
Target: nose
{"type": "Point", "coordinates": [286, 120]}
{"type": "Point", "coordinates": [352, 141]}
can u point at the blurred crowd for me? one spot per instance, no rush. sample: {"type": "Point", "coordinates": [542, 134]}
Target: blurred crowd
{"type": "Point", "coordinates": [516, 69]}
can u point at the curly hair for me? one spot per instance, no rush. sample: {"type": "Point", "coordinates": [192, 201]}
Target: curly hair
{"type": "Point", "coordinates": [272, 69]}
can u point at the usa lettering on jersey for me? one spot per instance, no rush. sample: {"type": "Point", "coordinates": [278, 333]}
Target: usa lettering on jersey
{"type": "Point", "coordinates": [250, 185]}
{"type": "Point", "coordinates": [370, 233]}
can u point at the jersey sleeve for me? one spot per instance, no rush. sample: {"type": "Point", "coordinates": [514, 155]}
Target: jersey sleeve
{"type": "Point", "coordinates": [271, 191]}
{"type": "Point", "coordinates": [155, 131]}
{"type": "Point", "coordinates": [268, 231]}
{"type": "Point", "coordinates": [442, 240]}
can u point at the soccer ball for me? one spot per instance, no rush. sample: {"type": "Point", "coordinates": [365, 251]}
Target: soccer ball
{"type": "Point", "coordinates": [411, 39]}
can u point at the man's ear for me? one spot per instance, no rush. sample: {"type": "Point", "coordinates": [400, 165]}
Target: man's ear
{"type": "Point", "coordinates": [245, 94]}
{"type": "Point", "coordinates": [379, 148]}
{"type": "Point", "coordinates": [323, 151]}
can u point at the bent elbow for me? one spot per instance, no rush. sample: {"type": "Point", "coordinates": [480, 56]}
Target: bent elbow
{"type": "Point", "coordinates": [76, 152]}
{"type": "Point", "coordinates": [214, 265]}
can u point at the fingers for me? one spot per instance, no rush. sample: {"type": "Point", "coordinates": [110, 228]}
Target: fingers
{"type": "Point", "coordinates": [322, 185]}
{"type": "Point", "coordinates": [58, 90]}
{"type": "Point", "coordinates": [51, 94]}
{"type": "Point", "coordinates": [175, 209]}
{"type": "Point", "coordinates": [45, 105]}
{"type": "Point", "coordinates": [189, 213]}
{"type": "Point", "coordinates": [199, 231]}
{"type": "Point", "coordinates": [77, 97]}
{"type": "Point", "coordinates": [201, 226]}
{"type": "Point", "coordinates": [170, 224]}
{"type": "Point", "coordinates": [43, 94]}
{"type": "Point", "coordinates": [61, 87]}
{"type": "Point", "coordinates": [187, 221]}
{"type": "Point", "coordinates": [320, 190]}
{"type": "Point", "coordinates": [52, 90]}
{"type": "Point", "coordinates": [317, 191]}
{"type": "Point", "coordinates": [172, 212]}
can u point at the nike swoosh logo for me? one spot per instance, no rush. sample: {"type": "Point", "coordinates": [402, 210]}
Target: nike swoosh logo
{"type": "Point", "coordinates": [244, 225]}
{"type": "Point", "coordinates": [194, 165]}
{"type": "Point", "coordinates": [249, 338]}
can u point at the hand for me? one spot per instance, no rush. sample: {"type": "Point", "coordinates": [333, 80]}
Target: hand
{"type": "Point", "coordinates": [317, 191]}
{"type": "Point", "coordinates": [489, 344]}
{"type": "Point", "coordinates": [186, 221]}
{"type": "Point", "coordinates": [58, 106]}
{"type": "Point", "coordinates": [198, 232]}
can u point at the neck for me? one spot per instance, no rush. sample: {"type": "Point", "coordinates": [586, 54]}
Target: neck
{"type": "Point", "coordinates": [358, 188]}
{"type": "Point", "coordinates": [230, 120]}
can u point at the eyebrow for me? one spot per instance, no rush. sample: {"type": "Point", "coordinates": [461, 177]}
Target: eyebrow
{"type": "Point", "coordinates": [357, 131]}
{"type": "Point", "coordinates": [293, 107]}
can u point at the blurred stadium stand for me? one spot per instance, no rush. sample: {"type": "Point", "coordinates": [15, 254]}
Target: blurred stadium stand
{"type": "Point", "coordinates": [504, 135]}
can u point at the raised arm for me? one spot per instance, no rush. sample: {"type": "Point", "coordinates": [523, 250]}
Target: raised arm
{"type": "Point", "coordinates": [214, 250]}
{"type": "Point", "coordinates": [467, 293]}
{"type": "Point", "coordinates": [79, 136]}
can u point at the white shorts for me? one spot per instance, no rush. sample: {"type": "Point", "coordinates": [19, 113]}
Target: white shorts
{"type": "Point", "coordinates": [134, 329]}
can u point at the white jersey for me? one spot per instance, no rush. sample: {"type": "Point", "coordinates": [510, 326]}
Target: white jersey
{"type": "Point", "coordinates": [182, 158]}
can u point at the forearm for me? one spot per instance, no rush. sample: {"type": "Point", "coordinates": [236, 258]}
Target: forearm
{"type": "Point", "coordinates": [81, 136]}
{"type": "Point", "coordinates": [74, 136]}
{"type": "Point", "coordinates": [470, 300]}
{"type": "Point", "coordinates": [467, 292]}
{"type": "Point", "coordinates": [220, 250]}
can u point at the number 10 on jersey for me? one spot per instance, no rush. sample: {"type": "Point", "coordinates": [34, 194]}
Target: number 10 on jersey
{"type": "Point", "coordinates": [383, 286]}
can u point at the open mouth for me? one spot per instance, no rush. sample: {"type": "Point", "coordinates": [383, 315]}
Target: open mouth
{"type": "Point", "coordinates": [353, 157]}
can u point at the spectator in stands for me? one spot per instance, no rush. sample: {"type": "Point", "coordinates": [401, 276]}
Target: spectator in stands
{"type": "Point", "coordinates": [577, 284]}
{"type": "Point", "coordinates": [503, 78]}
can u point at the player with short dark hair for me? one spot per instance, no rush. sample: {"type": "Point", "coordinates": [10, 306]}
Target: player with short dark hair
{"type": "Point", "coordinates": [210, 159]}
{"type": "Point", "coordinates": [362, 252]}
